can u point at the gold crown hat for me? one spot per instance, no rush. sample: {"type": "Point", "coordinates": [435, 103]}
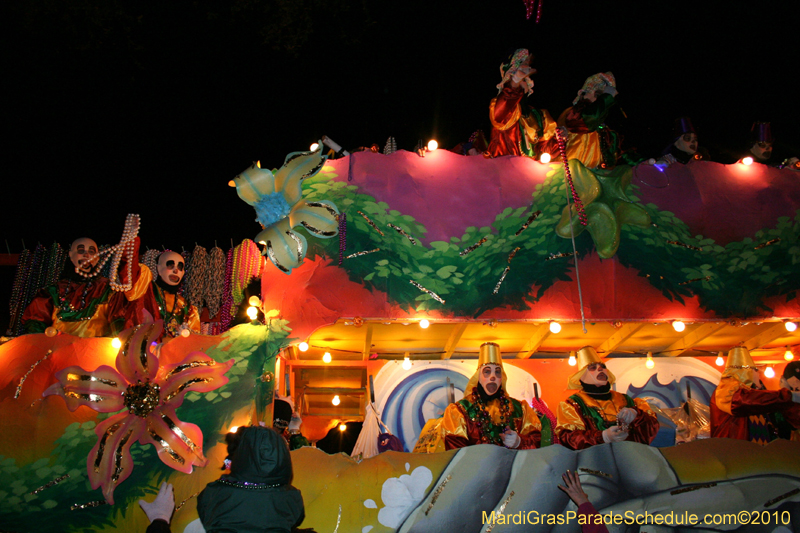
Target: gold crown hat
{"type": "Point", "coordinates": [740, 365]}
{"type": "Point", "coordinates": [587, 356]}
{"type": "Point", "coordinates": [489, 354]}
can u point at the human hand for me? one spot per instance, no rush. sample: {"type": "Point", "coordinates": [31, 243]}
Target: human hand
{"type": "Point", "coordinates": [162, 507]}
{"type": "Point", "coordinates": [573, 488]}
{"type": "Point", "coordinates": [295, 422]}
{"type": "Point", "coordinates": [610, 90]}
{"type": "Point", "coordinates": [614, 434]}
{"type": "Point", "coordinates": [511, 439]}
{"type": "Point", "coordinates": [626, 415]}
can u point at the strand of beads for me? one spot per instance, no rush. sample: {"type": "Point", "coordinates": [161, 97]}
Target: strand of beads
{"type": "Point", "coordinates": [216, 281]}
{"type": "Point", "coordinates": [125, 248]}
{"type": "Point", "coordinates": [342, 236]}
{"type": "Point", "coordinates": [562, 147]}
{"type": "Point", "coordinates": [18, 303]}
{"type": "Point", "coordinates": [227, 296]}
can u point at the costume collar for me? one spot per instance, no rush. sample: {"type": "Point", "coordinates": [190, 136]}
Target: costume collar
{"type": "Point", "coordinates": [598, 392]}
{"type": "Point", "coordinates": [166, 287]}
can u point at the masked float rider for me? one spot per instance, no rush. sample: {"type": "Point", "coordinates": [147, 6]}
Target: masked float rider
{"type": "Point", "coordinates": [742, 408]}
{"type": "Point", "coordinates": [596, 414]}
{"type": "Point", "coordinates": [165, 303]}
{"type": "Point", "coordinates": [83, 302]}
{"type": "Point", "coordinates": [488, 415]}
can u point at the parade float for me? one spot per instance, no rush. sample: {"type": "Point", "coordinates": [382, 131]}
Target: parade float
{"type": "Point", "coordinates": [382, 274]}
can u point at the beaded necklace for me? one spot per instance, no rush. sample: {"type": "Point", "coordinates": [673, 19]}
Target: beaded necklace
{"type": "Point", "coordinates": [125, 247]}
{"type": "Point", "coordinates": [247, 485]}
{"type": "Point", "coordinates": [172, 319]}
{"type": "Point", "coordinates": [216, 280]}
{"type": "Point", "coordinates": [490, 432]}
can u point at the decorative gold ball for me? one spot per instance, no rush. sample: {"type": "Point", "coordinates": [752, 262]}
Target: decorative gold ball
{"type": "Point", "coordinates": [51, 331]}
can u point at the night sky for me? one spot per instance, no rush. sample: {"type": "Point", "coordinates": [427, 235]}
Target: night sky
{"type": "Point", "coordinates": [152, 107]}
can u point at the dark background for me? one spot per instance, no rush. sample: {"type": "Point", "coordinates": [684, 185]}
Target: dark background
{"type": "Point", "coordinates": [113, 107]}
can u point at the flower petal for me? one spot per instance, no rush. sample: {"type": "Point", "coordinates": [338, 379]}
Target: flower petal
{"type": "Point", "coordinates": [179, 444]}
{"type": "Point", "coordinates": [135, 360]}
{"type": "Point", "coordinates": [110, 462]}
{"type": "Point", "coordinates": [319, 218]}
{"type": "Point", "coordinates": [284, 247]}
{"type": "Point", "coordinates": [297, 167]}
{"type": "Point", "coordinates": [197, 372]}
{"type": "Point", "coordinates": [254, 183]}
{"type": "Point", "coordinates": [100, 390]}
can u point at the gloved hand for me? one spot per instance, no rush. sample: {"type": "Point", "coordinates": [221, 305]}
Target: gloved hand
{"type": "Point", "coordinates": [614, 434]}
{"type": "Point", "coordinates": [796, 397]}
{"type": "Point", "coordinates": [511, 439]}
{"type": "Point", "coordinates": [610, 90]}
{"type": "Point", "coordinates": [626, 415]}
{"type": "Point", "coordinates": [295, 422]}
{"type": "Point", "coordinates": [162, 507]}
{"type": "Point", "coordinates": [521, 73]}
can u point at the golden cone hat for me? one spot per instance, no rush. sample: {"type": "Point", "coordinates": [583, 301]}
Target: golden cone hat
{"type": "Point", "coordinates": [585, 357]}
{"type": "Point", "coordinates": [740, 357]}
{"type": "Point", "coordinates": [489, 354]}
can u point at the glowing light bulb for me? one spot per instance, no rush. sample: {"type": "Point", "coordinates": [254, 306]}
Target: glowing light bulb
{"type": "Point", "coordinates": [336, 400]}
{"type": "Point", "coordinates": [185, 332]}
{"type": "Point", "coordinates": [314, 147]}
{"type": "Point", "coordinates": [678, 325]}
{"type": "Point", "coordinates": [231, 183]}
{"type": "Point", "coordinates": [788, 355]}
{"type": "Point", "coordinates": [424, 323]}
{"type": "Point", "coordinates": [303, 346]}
{"type": "Point", "coordinates": [769, 372]}
{"type": "Point", "coordinates": [326, 358]}
{"type": "Point", "coordinates": [650, 363]}
{"type": "Point", "coordinates": [545, 158]}
{"type": "Point", "coordinates": [790, 326]}
{"type": "Point", "coordinates": [116, 343]}
{"type": "Point", "coordinates": [342, 427]}
{"type": "Point", "coordinates": [432, 145]}
{"type": "Point", "coordinates": [233, 429]}
{"type": "Point", "coordinates": [555, 327]}
{"type": "Point", "coordinates": [254, 300]}
{"type": "Point", "coordinates": [747, 161]}
{"type": "Point", "coordinates": [572, 361]}
{"type": "Point", "coordinates": [406, 363]}
{"type": "Point", "coordinates": [720, 361]}
{"type": "Point", "coordinates": [252, 312]}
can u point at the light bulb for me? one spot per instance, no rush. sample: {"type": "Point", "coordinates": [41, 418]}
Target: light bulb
{"type": "Point", "coordinates": [788, 355]}
{"type": "Point", "coordinates": [544, 158]}
{"type": "Point", "coordinates": [572, 361]}
{"type": "Point", "coordinates": [303, 346]}
{"type": "Point", "coordinates": [432, 145]}
{"type": "Point", "coordinates": [185, 332]}
{"type": "Point", "coordinates": [555, 327]}
{"type": "Point", "coordinates": [254, 300]}
{"type": "Point", "coordinates": [252, 312]}
{"type": "Point", "coordinates": [233, 429]}
{"type": "Point", "coordinates": [650, 363]}
{"type": "Point", "coordinates": [790, 326]}
{"type": "Point", "coordinates": [336, 400]}
{"type": "Point", "coordinates": [314, 147]}
{"type": "Point", "coordinates": [769, 372]}
{"type": "Point", "coordinates": [678, 325]}
{"type": "Point", "coordinates": [342, 427]}
{"type": "Point", "coordinates": [747, 161]}
{"type": "Point", "coordinates": [406, 363]}
{"type": "Point", "coordinates": [116, 343]}
{"type": "Point", "coordinates": [231, 183]}
{"type": "Point", "coordinates": [720, 361]}
{"type": "Point", "coordinates": [424, 323]}
{"type": "Point", "coordinates": [326, 358]}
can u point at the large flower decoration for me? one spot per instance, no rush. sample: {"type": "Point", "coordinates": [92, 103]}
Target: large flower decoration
{"type": "Point", "coordinates": [607, 206]}
{"type": "Point", "coordinates": [149, 394]}
{"type": "Point", "coordinates": [278, 200]}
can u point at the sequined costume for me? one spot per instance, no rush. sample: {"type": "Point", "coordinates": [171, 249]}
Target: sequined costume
{"type": "Point", "coordinates": [590, 141]}
{"type": "Point", "coordinates": [740, 410]}
{"type": "Point", "coordinates": [519, 129]}
{"type": "Point", "coordinates": [582, 419]}
{"type": "Point", "coordinates": [172, 308]}
{"type": "Point", "coordinates": [89, 307]}
{"type": "Point", "coordinates": [480, 418]}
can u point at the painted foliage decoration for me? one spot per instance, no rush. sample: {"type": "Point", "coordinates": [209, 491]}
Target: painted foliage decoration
{"type": "Point", "coordinates": [277, 197]}
{"type": "Point", "coordinates": [149, 395]}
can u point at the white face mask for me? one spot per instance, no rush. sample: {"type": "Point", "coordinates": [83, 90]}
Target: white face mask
{"type": "Point", "coordinates": [595, 374]}
{"type": "Point", "coordinates": [171, 268]}
{"type": "Point", "coordinates": [83, 254]}
{"type": "Point", "coordinates": [491, 378]}
{"type": "Point", "coordinates": [687, 143]}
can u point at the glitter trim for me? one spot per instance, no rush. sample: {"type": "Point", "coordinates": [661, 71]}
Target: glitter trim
{"type": "Point", "coordinates": [79, 506]}
{"type": "Point", "coordinates": [475, 246]}
{"type": "Point", "coordinates": [689, 246]}
{"type": "Point", "coordinates": [338, 519]}
{"type": "Point", "coordinates": [768, 243]}
{"type": "Point", "coordinates": [358, 254]}
{"type": "Point", "coordinates": [118, 457]}
{"type": "Point", "coordinates": [595, 472]}
{"type": "Point", "coordinates": [46, 486]}
{"type": "Point", "coordinates": [401, 232]}
{"type": "Point", "coordinates": [87, 377]}
{"type": "Point", "coordinates": [317, 231]}
{"type": "Point", "coordinates": [271, 255]}
{"type": "Point", "coordinates": [436, 493]}
{"type": "Point", "coordinates": [330, 209]}
{"type": "Point", "coordinates": [783, 496]}
{"type": "Point", "coordinates": [300, 252]}
{"type": "Point", "coordinates": [559, 256]}
{"type": "Point", "coordinates": [188, 366]}
{"type": "Point", "coordinates": [165, 445]}
{"type": "Point", "coordinates": [694, 280]}
{"type": "Point", "coordinates": [179, 432]}
{"type": "Point", "coordinates": [500, 510]}
{"type": "Point", "coordinates": [183, 387]}
{"type": "Point", "coordinates": [691, 489]}
{"type": "Point", "coordinates": [427, 291]}
{"type": "Point", "coordinates": [371, 223]}
{"type": "Point", "coordinates": [513, 253]}
{"type": "Point", "coordinates": [528, 222]}
{"type": "Point", "coordinates": [178, 507]}
{"type": "Point", "coordinates": [28, 373]}
{"type": "Point", "coordinates": [248, 485]}
{"type": "Point", "coordinates": [101, 448]}
{"type": "Point", "coordinates": [89, 397]}
{"type": "Point", "coordinates": [502, 278]}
